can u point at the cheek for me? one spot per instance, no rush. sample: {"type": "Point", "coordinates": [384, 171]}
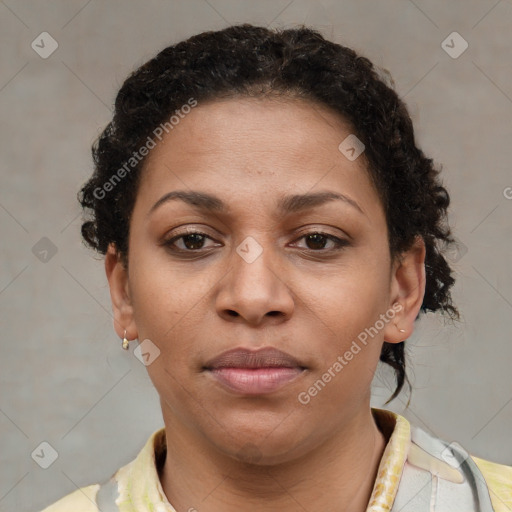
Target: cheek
{"type": "Point", "coordinates": [347, 310]}
{"type": "Point", "coordinates": [162, 291]}
{"type": "Point", "coordinates": [349, 350]}
{"type": "Point", "coordinates": [166, 308]}
{"type": "Point", "coordinates": [166, 311]}
{"type": "Point", "coordinates": [351, 297]}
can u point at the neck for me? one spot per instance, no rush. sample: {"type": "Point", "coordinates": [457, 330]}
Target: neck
{"type": "Point", "coordinates": [338, 475]}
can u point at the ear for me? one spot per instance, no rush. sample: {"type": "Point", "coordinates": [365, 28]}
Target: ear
{"type": "Point", "coordinates": [407, 289]}
{"type": "Point", "coordinates": [117, 276]}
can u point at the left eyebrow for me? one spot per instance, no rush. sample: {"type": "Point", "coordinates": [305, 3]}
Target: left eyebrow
{"type": "Point", "coordinates": [286, 205]}
{"type": "Point", "coordinates": [298, 202]}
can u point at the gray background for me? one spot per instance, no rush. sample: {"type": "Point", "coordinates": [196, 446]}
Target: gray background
{"type": "Point", "coordinates": [65, 378]}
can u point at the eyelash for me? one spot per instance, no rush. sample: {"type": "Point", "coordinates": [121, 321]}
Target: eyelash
{"type": "Point", "coordinates": [340, 243]}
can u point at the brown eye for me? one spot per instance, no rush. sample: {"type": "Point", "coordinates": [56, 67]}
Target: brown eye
{"type": "Point", "coordinates": [190, 242]}
{"type": "Point", "coordinates": [193, 241]}
{"type": "Point", "coordinates": [317, 242]}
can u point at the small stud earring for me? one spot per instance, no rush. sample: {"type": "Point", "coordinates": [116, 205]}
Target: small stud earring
{"type": "Point", "coordinates": [401, 330]}
{"type": "Point", "coordinates": [126, 342]}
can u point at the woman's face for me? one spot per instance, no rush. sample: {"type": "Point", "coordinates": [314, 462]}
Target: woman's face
{"type": "Point", "coordinates": [259, 277]}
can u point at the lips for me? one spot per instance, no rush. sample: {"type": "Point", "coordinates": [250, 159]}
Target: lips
{"type": "Point", "coordinates": [254, 372]}
{"type": "Point", "coordinates": [244, 358]}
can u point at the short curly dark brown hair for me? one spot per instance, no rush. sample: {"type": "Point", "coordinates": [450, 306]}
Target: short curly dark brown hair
{"type": "Point", "coordinates": [246, 60]}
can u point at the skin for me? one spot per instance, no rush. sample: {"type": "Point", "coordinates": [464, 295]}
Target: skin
{"type": "Point", "coordinates": [229, 452]}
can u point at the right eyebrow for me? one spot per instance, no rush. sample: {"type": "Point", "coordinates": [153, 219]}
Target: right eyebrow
{"type": "Point", "coordinates": [199, 200]}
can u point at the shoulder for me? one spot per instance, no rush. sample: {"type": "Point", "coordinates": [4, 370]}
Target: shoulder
{"type": "Point", "coordinates": [81, 500]}
{"type": "Point", "coordinates": [135, 482]}
{"type": "Point", "coordinates": [499, 480]}
{"type": "Point", "coordinates": [461, 477]}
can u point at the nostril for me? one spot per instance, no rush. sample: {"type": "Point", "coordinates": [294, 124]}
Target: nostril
{"type": "Point", "coordinates": [232, 313]}
{"type": "Point", "coordinates": [273, 313]}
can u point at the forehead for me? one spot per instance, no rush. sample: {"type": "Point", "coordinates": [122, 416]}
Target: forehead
{"type": "Point", "coordinates": [255, 125]}
{"type": "Point", "coordinates": [247, 148]}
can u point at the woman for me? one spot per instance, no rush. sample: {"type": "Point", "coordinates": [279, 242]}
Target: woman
{"type": "Point", "coordinates": [271, 231]}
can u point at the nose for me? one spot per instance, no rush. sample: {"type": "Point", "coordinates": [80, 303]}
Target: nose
{"type": "Point", "coordinates": [254, 292]}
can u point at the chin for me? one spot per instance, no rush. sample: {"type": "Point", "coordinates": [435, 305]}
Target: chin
{"type": "Point", "coordinates": [262, 443]}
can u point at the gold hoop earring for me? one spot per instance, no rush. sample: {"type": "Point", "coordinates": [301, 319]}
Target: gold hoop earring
{"type": "Point", "coordinates": [126, 343]}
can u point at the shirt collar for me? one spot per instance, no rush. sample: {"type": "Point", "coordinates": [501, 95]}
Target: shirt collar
{"type": "Point", "coordinates": [398, 429]}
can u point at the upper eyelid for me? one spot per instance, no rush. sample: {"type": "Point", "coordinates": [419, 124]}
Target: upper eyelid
{"type": "Point", "coordinates": [310, 231]}
{"type": "Point", "coordinates": [314, 228]}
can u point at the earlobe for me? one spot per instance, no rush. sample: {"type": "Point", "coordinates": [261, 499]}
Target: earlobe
{"type": "Point", "coordinates": [117, 276]}
{"type": "Point", "coordinates": [408, 289]}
